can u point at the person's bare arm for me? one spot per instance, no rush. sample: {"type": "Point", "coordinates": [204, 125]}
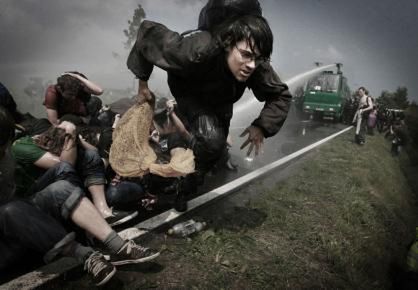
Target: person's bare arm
{"type": "Point", "coordinates": [91, 87]}
{"type": "Point", "coordinates": [52, 116]}
{"type": "Point", "coordinates": [144, 93]}
{"type": "Point", "coordinates": [180, 128]}
{"type": "Point", "coordinates": [69, 151]}
{"type": "Point", "coordinates": [370, 105]}
{"type": "Point", "coordinates": [116, 121]}
{"type": "Point", "coordinates": [86, 145]}
{"type": "Point", "coordinates": [47, 160]}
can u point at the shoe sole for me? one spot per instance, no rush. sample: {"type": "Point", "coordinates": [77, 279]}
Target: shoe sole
{"type": "Point", "coordinates": [137, 261]}
{"type": "Point", "coordinates": [107, 278]}
{"type": "Point", "coordinates": [58, 247]}
{"type": "Point", "coordinates": [124, 220]}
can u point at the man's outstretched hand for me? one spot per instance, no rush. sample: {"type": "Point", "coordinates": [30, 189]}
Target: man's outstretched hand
{"type": "Point", "coordinates": [255, 138]}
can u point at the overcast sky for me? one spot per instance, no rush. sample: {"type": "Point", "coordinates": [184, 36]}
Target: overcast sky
{"type": "Point", "coordinates": [376, 40]}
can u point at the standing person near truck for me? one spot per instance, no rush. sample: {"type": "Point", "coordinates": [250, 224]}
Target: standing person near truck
{"type": "Point", "coordinates": [364, 108]}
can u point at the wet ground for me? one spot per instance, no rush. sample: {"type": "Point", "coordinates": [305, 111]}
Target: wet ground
{"type": "Point", "coordinates": [295, 134]}
{"type": "Point", "coordinates": [230, 212]}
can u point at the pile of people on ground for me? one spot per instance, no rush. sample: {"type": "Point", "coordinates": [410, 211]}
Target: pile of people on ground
{"type": "Point", "coordinates": [87, 168]}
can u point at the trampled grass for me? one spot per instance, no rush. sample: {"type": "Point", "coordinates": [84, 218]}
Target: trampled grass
{"type": "Point", "coordinates": [342, 219]}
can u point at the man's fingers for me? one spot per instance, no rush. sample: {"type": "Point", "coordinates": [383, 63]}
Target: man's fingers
{"type": "Point", "coordinates": [250, 149]}
{"type": "Point", "coordinates": [244, 133]}
{"type": "Point", "coordinates": [245, 144]}
{"type": "Point", "coordinates": [257, 148]}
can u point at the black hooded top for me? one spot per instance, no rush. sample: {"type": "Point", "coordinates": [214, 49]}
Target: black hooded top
{"type": "Point", "coordinates": [199, 78]}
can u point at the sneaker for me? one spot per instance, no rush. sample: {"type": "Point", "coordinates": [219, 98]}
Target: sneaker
{"type": "Point", "coordinates": [99, 269]}
{"type": "Point", "coordinates": [131, 233]}
{"type": "Point", "coordinates": [230, 165]}
{"type": "Point", "coordinates": [131, 253]}
{"type": "Point", "coordinates": [120, 217]}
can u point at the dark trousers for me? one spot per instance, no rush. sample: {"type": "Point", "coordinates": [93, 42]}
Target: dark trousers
{"type": "Point", "coordinates": [209, 140]}
{"type": "Point", "coordinates": [124, 193]}
{"type": "Point", "coordinates": [24, 227]}
{"type": "Point", "coordinates": [361, 129]}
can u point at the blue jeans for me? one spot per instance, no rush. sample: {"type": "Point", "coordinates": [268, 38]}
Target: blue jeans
{"type": "Point", "coordinates": [59, 199]}
{"type": "Point", "coordinates": [61, 171]}
{"type": "Point", "coordinates": [124, 193]}
{"type": "Point", "coordinates": [90, 167]}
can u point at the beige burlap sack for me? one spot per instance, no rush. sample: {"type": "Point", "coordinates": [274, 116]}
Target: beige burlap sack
{"type": "Point", "coordinates": [181, 164]}
{"type": "Point", "coordinates": [130, 153]}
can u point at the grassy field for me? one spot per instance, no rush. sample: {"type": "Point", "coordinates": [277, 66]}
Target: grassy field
{"type": "Point", "coordinates": [342, 220]}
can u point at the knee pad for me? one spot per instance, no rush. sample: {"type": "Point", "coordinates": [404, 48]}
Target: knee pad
{"type": "Point", "coordinates": [209, 139]}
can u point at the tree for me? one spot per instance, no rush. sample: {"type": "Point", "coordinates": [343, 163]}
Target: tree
{"type": "Point", "coordinates": [385, 100]}
{"type": "Point", "coordinates": [394, 100]}
{"type": "Point", "coordinates": [400, 98]}
{"type": "Point", "coordinates": [131, 32]}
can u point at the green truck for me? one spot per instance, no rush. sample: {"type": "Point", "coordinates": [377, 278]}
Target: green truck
{"type": "Point", "coordinates": [325, 95]}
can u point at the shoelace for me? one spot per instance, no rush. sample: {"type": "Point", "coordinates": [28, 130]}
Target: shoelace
{"type": "Point", "coordinates": [131, 246]}
{"type": "Point", "coordinates": [94, 264]}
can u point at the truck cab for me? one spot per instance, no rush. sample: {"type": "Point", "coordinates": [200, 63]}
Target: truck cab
{"type": "Point", "coordinates": [325, 95]}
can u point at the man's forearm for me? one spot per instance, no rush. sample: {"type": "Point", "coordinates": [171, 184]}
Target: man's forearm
{"type": "Point", "coordinates": [52, 116]}
{"type": "Point", "coordinates": [142, 86]}
{"type": "Point", "coordinates": [69, 152]}
{"type": "Point", "coordinates": [92, 87]}
{"type": "Point", "coordinates": [180, 126]}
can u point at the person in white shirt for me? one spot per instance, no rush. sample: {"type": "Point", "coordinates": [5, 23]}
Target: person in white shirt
{"type": "Point", "coordinates": [364, 108]}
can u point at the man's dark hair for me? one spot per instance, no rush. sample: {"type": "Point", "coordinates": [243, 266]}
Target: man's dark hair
{"type": "Point", "coordinates": [7, 126]}
{"type": "Point", "coordinates": [248, 27]}
{"type": "Point", "coordinates": [217, 11]}
{"type": "Point", "coordinates": [52, 140]}
{"type": "Point", "coordinates": [70, 86]}
{"type": "Point", "coordinates": [363, 89]}
{"type": "Point", "coordinates": [160, 111]}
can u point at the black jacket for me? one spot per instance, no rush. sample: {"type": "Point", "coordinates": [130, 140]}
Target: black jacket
{"type": "Point", "coordinates": [199, 78]}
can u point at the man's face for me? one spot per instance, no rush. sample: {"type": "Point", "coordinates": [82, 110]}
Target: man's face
{"type": "Point", "coordinates": [242, 60]}
{"type": "Point", "coordinates": [361, 92]}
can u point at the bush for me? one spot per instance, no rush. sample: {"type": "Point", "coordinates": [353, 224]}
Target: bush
{"type": "Point", "coordinates": [411, 120]}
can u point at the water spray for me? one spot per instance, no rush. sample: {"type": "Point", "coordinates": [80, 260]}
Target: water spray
{"type": "Point", "coordinates": [292, 83]}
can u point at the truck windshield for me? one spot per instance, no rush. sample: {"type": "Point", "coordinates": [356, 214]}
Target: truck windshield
{"type": "Point", "coordinates": [324, 83]}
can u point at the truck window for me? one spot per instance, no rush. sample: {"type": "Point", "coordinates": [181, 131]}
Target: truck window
{"type": "Point", "coordinates": [324, 83]}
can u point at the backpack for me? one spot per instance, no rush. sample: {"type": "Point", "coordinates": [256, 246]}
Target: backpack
{"type": "Point", "coordinates": [367, 113]}
{"type": "Point", "coordinates": [217, 11]}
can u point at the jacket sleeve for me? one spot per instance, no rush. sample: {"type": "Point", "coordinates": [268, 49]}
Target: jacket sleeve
{"type": "Point", "coordinates": [168, 50]}
{"type": "Point", "coordinates": [267, 87]}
